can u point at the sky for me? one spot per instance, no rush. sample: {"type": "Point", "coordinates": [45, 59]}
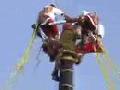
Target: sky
{"type": "Point", "coordinates": [16, 18]}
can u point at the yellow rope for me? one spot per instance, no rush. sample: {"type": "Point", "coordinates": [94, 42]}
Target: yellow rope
{"type": "Point", "coordinates": [109, 81]}
{"type": "Point", "coordinates": [111, 68]}
{"type": "Point", "coordinates": [109, 62]}
{"type": "Point", "coordinates": [25, 59]}
{"type": "Point", "coordinates": [112, 64]}
{"type": "Point", "coordinates": [115, 69]}
{"type": "Point", "coordinates": [105, 70]}
{"type": "Point", "coordinates": [20, 66]}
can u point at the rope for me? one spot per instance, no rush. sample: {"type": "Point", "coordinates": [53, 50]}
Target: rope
{"type": "Point", "coordinates": [112, 64]}
{"type": "Point", "coordinates": [25, 59]}
{"type": "Point", "coordinates": [109, 69]}
{"type": "Point", "coordinates": [110, 83]}
{"type": "Point", "coordinates": [20, 66]}
{"type": "Point", "coordinates": [114, 67]}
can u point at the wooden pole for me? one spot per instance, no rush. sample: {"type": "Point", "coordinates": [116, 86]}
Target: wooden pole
{"type": "Point", "coordinates": [68, 57]}
{"type": "Point", "coordinates": [66, 75]}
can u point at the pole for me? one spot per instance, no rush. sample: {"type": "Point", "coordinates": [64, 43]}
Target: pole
{"type": "Point", "coordinates": [66, 75]}
{"type": "Point", "coordinates": [68, 57]}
